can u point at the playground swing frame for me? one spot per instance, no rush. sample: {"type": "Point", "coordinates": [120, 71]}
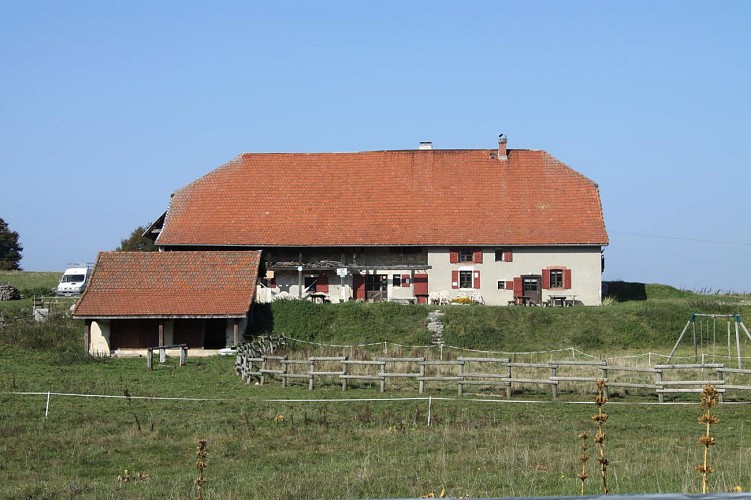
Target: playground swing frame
{"type": "Point", "coordinates": [692, 320]}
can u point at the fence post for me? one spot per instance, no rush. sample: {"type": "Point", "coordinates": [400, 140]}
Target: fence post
{"type": "Point", "coordinates": [660, 396]}
{"type": "Point", "coordinates": [430, 408]}
{"type": "Point", "coordinates": [47, 408]}
{"type": "Point", "coordinates": [149, 359]}
{"type": "Point", "coordinates": [554, 387]}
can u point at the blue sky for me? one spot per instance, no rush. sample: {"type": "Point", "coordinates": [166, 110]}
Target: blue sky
{"type": "Point", "coordinates": [109, 107]}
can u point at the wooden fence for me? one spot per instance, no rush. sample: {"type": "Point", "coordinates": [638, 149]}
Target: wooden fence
{"type": "Point", "coordinates": [491, 373]}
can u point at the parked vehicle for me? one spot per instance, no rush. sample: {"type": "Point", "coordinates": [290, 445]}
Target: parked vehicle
{"type": "Point", "coordinates": [74, 279]}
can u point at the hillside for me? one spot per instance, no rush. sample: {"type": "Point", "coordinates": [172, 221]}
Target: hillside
{"type": "Point", "coordinates": [644, 317]}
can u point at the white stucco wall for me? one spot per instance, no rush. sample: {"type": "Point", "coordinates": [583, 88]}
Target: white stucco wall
{"type": "Point", "coordinates": [230, 331]}
{"type": "Point", "coordinates": [99, 338]}
{"type": "Point", "coordinates": [584, 262]}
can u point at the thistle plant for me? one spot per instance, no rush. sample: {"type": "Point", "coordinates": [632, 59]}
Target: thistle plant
{"type": "Point", "coordinates": [583, 458]}
{"type": "Point", "coordinates": [601, 417]}
{"type": "Point", "coordinates": [201, 453]}
{"type": "Point", "coordinates": [708, 400]}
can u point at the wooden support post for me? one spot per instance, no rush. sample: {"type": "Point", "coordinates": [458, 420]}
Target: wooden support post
{"type": "Point", "coordinates": [236, 332]}
{"type": "Point", "coordinates": [721, 376]}
{"type": "Point", "coordinates": [311, 369]}
{"type": "Point", "coordinates": [461, 379]}
{"type": "Point", "coordinates": [162, 352]}
{"type": "Point", "coordinates": [149, 359]}
{"type": "Point", "coordinates": [660, 395]}
{"type": "Point", "coordinates": [553, 373]}
{"type": "Point", "coordinates": [86, 335]}
{"type": "Point", "coordinates": [344, 374]}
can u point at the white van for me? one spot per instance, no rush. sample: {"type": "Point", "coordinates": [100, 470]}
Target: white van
{"type": "Point", "coordinates": [74, 279]}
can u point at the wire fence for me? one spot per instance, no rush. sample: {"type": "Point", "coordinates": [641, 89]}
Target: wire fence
{"type": "Point", "coordinates": [388, 348]}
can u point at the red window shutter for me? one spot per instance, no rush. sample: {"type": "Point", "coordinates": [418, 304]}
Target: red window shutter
{"type": "Point", "coordinates": [322, 285]}
{"type": "Point", "coordinates": [509, 285]}
{"type": "Point", "coordinates": [518, 287]}
{"type": "Point", "coordinates": [358, 283]}
{"type": "Point", "coordinates": [453, 256]}
{"type": "Point", "coordinates": [508, 256]}
{"type": "Point", "coordinates": [567, 278]}
{"type": "Point", "coordinates": [405, 280]}
{"type": "Point", "coordinates": [454, 279]}
{"type": "Point", "coordinates": [477, 257]}
{"type": "Point", "coordinates": [546, 278]}
{"type": "Point", "coordinates": [272, 283]}
{"type": "Point", "coordinates": [477, 279]}
{"type": "Point", "coordinates": [421, 284]}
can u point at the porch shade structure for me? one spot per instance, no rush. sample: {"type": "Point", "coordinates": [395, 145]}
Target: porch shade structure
{"type": "Point", "coordinates": [170, 285]}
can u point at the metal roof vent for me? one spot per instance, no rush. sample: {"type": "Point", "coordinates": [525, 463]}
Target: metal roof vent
{"type": "Point", "coordinates": [425, 145]}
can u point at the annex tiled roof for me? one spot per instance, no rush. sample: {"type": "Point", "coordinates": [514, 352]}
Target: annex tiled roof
{"type": "Point", "coordinates": [171, 284]}
{"type": "Point", "coordinates": [417, 197]}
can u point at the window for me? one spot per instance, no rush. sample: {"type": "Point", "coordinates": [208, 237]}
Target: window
{"type": "Point", "coordinates": [465, 255]}
{"type": "Point", "coordinates": [310, 284]}
{"type": "Point", "coordinates": [503, 255]}
{"type": "Point", "coordinates": [465, 279]}
{"type": "Point", "coordinates": [396, 280]}
{"type": "Point", "coordinates": [556, 278]}
{"type": "Point", "coordinates": [531, 285]}
{"type": "Point", "coordinates": [501, 285]}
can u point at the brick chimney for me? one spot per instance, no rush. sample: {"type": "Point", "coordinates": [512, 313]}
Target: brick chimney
{"type": "Point", "coordinates": [502, 154]}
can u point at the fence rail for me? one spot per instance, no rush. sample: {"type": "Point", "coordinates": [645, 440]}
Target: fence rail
{"type": "Point", "coordinates": [491, 373]}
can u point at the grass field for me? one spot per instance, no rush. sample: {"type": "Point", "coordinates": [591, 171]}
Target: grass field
{"type": "Point", "coordinates": [329, 448]}
{"type": "Point", "coordinates": [267, 442]}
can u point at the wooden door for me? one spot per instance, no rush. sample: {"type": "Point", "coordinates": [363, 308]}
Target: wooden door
{"type": "Point", "coordinates": [532, 288]}
{"type": "Point", "coordinates": [376, 287]}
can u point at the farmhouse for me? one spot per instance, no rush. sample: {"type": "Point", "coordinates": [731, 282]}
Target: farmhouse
{"type": "Point", "coordinates": [147, 299]}
{"type": "Point", "coordinates": [498, 226]}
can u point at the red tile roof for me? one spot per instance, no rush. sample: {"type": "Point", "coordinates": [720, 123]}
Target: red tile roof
{"type": "Point", "coordinates": [418, 197]}
{"type": "Point", "coordinates": [171, 284]}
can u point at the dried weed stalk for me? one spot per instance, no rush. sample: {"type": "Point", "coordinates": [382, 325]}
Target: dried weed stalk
{"type": "Point", "coordinates": [708, 400]}
{"type": "Point", "coordinates": [202, 454]}
{"type": "Point", "coordinates": [601, 417]}
{"type": "Point", "coordinates": [583, 458]}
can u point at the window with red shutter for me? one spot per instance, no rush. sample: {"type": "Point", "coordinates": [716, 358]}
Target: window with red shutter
{"type": "Point", "coordinates": [567, 278]}
{"type": "Point", "coordinates": [421, 284]}
{"type": "Point", "coordinates": [405, 280]}
{"type": "Point", "coordinates": [454, 279]}
{"type": "Point", "coordinates": [453, 256]}
{"type": "Point", "coordinates": [477, 256]}
{"type": "Point", "coordinates": [358, 283]}
{"type": "Point", "coordinates": [518, 287]}
{"type": "Point", "coordinates": [477, 280]}
{"type": "Point", "coordinates": [509, 285]}
{"type": "Point", "coordinates": [546, 278]}
{"type": "Point", "coordinates": [503, 255]}
{"type": "Point", "coordinates": [323, 284]}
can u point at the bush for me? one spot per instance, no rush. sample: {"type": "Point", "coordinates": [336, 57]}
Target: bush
{"type": "Point", "coordinates": [38, 291]}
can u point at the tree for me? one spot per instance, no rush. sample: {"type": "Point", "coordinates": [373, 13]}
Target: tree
{"type": "Point", "coordinates": [137, 242]}
{"type": "Point", "coordinates": [10, 249]}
